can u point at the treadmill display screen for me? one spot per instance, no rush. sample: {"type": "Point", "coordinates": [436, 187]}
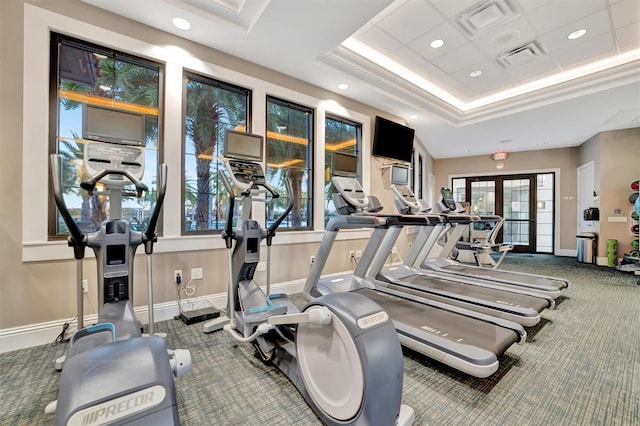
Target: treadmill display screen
{"type": "Point", "coordinates": [447, 197]}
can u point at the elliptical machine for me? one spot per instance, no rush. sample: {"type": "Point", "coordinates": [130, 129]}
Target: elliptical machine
{"type": "Point", "coordinates": [341, 351]}
{"type": "Point", "coordinates": [112, 373]}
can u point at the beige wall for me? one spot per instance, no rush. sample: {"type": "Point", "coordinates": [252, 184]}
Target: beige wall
{"type": "Point", "coordinates": [563, 159]}
{"type": "Point", "coordinates": [619, 154]}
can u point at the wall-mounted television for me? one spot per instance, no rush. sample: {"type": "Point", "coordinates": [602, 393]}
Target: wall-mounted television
{"type": "Point", "coordinates": [112, 125]}
{"type": "Point", "coordinates": [392, 140]}
{"type": "Point", "coordinates": [243, 146]}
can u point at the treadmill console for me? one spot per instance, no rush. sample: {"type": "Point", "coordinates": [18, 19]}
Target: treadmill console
{"type": "Point", "coordinates": [351, 190]}
{"type": "Point", "coordinates": [404, 194]}
{"type": "Point", "coordinates": [245, 172]}
{"type": "Point", "coordinates": [447, 199]}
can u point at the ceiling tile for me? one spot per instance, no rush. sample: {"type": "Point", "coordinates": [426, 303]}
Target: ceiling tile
{"type": "Point", "coordinates": [628, 37]}
{"type": "Point", "coordinates": [451, 8]}
{"type": "Point", "coordinates": [458, 59]}
{"type": "Point", "coordinates": [378, 39]}
{"type": "Point", "coordinates": [541, 67]}
{"type": "Point", "coordinates": [596, 25]}
{"type": "Point", "coordinates": [529, 5]}
{"type": "Point", "coordinates": [493, 77]}
{"type": "Point", "coordinates": [410, 21]}
{"type": "Point", "coordinates": [558, 14]}
{"type": "Point", "coordinates": [595, 49]}
{"type": "Point", "coordinates": [625, 13]}
{"type": "Point", "coordinates": [452, 37]}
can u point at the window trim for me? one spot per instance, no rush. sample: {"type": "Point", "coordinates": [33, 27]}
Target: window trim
{"type": "Point", "coordinates": [56, 39]}
{"type": "Point", "coordinates": [200, 78]}
{"type": "Point", "coordinates": [311, 149]}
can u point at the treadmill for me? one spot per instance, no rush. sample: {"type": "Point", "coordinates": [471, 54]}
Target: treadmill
{"type": "Point", "coordinates": [444, 267]}
{"type": "Point", "coordinates": [466, 340]}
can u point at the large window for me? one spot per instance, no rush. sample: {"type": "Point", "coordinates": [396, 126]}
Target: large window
{"type": "Point", "coordinates": [83, 74]}
{"type": "Point", "coordinates": [290, 156]}
{"type": "Point", "coordinates": [210, 108]}
{"type": "Point", "coordinates": [342, 136]}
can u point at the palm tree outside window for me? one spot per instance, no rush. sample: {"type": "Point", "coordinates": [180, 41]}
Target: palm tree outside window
{"type": "Point", "coordinates": [86, 74]}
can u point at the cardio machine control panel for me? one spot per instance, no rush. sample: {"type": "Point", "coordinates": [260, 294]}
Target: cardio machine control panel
{"type": "Point", "coordinates": [351, 190]}
{"type": "Point", "coordinates": [244, 173]}
{"type": "Point", "coordinates": [404, 193]}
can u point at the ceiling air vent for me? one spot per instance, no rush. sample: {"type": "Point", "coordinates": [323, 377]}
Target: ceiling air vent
{"type": "Point", "coordinates": [485, 16]}
{"type": "Point", "coordinates": [521, 54]}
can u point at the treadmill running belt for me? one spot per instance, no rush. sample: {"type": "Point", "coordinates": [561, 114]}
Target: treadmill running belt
{"type": "Point", "coordinates": [444, 324]}
{"type": "Point", "coordinates": [501, 297]}
{"type": "Point", "coordinates": [494, 274]}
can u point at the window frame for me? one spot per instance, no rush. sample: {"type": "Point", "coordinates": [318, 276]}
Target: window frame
{"type": "Point", "coordinates": [56, 39]}
{"type": "Point", "coordinates": [311, 155]}
{"type": "Point", "coordinates": [359, 147]}
{"type": "Point", "coordinates": [203, 79]}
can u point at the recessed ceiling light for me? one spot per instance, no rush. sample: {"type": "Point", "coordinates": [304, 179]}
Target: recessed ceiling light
{"type": "Point", "coordinates": [466, 151]}
{"type": "Point", "coordinates": [343, 86]}
{"type": "Point", "coordinates": [181, 24]}
{"type": "Point", "coordinates": [413, 117]}
{"type": "Point", "coordinates": [476, 73]}
{"type": "Point", "coordinates": [437, 43]}
{"type": "Point", "coordinates": [577, 34]}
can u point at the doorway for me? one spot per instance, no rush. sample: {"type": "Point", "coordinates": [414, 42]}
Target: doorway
{"type": "Point", "coordinates": [525, 201]}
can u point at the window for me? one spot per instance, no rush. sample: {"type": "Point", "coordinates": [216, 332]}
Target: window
{"type": "Point", "coordinates": [342, 136]}
{"type": "Point", "coordinates": [83, 74]}
{"type": "Point", "coordinates": [210, 108]}
{"type": "Point", "coordinates": [289, 155]}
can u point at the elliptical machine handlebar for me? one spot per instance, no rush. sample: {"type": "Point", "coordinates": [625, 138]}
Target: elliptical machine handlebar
{"type": "Point", "coordinates": [271, 230]}
{"type": "Point", "coordinates": [90, 183]}
{"type": "Point", "coordinates": [149, 235]}
{"type": "Point", "coordinates": [77, 239]}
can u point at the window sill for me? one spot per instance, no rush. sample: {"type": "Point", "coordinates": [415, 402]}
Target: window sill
{"type": "Point", "coordinates": [59, 250]}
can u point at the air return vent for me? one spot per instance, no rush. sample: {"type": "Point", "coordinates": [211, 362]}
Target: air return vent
{"type": "Point", "coordinates": [485, 16]}
{"type": "Point", "coordinates": [521, 54]}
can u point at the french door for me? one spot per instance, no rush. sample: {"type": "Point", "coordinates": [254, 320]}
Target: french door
{"type": "Point", "coordinates": [525, 201]}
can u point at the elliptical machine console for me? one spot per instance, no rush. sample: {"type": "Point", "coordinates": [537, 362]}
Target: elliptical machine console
{"type": "Point", "coordinates": [341, 351]}
{"type": "Point", "coordinates": [112, 373]}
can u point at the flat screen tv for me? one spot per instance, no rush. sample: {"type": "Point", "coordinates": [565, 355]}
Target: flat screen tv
{"type": "Point", "coordinates": [392, 140]}
{"type": "Point", "coordinates": [112, 125]}
{"type": "Point", "coordinates": [399, 175]}
{"type": "Point", "coordinates": [345, 164]}
{"type": "Point", "coordinates": [244, 146]}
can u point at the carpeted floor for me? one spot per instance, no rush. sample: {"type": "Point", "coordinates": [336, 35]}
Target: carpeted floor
{"type": "Point", "coordinates": [579, 366]}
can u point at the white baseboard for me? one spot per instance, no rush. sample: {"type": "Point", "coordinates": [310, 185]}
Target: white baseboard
{"type": "Point", "coordinates": [15, 338]}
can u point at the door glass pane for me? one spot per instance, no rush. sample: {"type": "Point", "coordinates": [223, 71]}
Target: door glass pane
{"type": "Point", "coordinates": [516, 211]}
{"type": "Point", "coordinates": [483, 197]}
{"type": "Point", "coordinates": [544, 213]}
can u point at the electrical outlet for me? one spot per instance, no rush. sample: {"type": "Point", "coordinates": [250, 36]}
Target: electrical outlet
{"type": "Point", "coordinates": [177, 276]}
{"type": "Point", "coordinates": [312, 260]}
{"type": "Point", "coordinates": [196, 274]}
{"type": "Point", "coordinates": [262, 266]}
{"type": "Point", "coordinates": [358, 254]}
{"type": "Point", "coordinates": [85, 286]}
{"type": "Point", "coordinates": [394, 250]}
{"type": "Point", "coordinates": [351, 254]}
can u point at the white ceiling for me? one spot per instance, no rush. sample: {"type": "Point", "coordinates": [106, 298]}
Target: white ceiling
{"type": "Point", "coordinates": [554, 92]}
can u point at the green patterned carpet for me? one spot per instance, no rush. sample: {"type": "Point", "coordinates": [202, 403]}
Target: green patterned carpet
{"type": "Point", "coordinates": [580, 366]}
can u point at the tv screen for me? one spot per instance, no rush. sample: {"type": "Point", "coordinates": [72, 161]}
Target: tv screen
{"type": "Point", "coordinates": [345, 164]}
{"type": "Point", "coordinates": [112, 125]}
{"type": "Point", "coordinates": [244, 146]}
{"type": "Point", "coordinates": [399, 175]}
{"type": "Point", "coordinates": [392, 140]}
